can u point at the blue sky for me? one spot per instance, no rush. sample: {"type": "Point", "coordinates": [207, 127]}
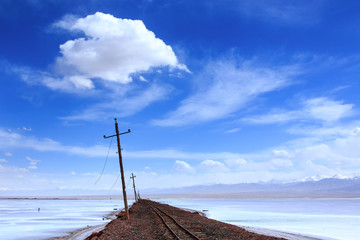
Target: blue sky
{"type": "Point", "coordinates": [213, 91]}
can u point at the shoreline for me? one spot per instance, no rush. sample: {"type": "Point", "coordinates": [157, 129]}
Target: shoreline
{"type": "Point", "coordinates": [169, 196]}
{"type": "Point", "coordinates": [283, 234]}
{"type": "Point", "coordinates": [83, 233]}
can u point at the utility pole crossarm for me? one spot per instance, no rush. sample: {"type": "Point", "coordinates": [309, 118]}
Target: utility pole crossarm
{"type": "Point", "coordinates": [128, 131]}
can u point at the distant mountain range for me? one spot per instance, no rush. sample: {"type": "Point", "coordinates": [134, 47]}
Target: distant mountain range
{"type": "Point", "coordinates": [313, 187]}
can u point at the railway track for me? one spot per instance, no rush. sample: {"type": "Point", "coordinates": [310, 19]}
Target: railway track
{"type": "Point", "coordinates": [177, 230]}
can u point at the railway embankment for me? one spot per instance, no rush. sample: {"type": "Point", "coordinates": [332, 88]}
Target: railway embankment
{"type": "Point", "coordinates": [152, 220]}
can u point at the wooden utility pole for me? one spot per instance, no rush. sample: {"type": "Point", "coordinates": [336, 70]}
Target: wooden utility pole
{"type": "Point", "coordinates": [121, 166]}
{"type": "Point", "coordinates": [133, 178]}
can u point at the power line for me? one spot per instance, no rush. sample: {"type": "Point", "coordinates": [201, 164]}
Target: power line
{"type": "Point", "coordinates": [102, 172]}
{"type": "Point", "coordinates": [115, 182]}
{"type": "Point", "coordinates": [128, 183]}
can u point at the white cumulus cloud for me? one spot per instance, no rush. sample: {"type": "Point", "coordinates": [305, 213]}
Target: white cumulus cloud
{"type": "Point", "coordinates": [281, 153]}
{"type": "Point", "coordinates": [112, 49]}
{"type": "Point", "coordinates": [213, 166]}
{"type": "Point", "coordinates": [183, 167]}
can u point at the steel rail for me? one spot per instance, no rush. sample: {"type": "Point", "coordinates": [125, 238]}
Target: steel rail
{"type": "Point", "coordinates": [179, 225]}
{"type": "Point", "coordinates": [167, 226]}
{"type": "Point", "coordinates": [157, 210]}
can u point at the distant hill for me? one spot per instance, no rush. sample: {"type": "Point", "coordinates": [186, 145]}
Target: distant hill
{"type": "Point", "coordinates": [316, 187]}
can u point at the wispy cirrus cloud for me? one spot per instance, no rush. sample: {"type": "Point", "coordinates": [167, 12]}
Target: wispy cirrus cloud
{"type": "Point", "coordinates": [127, 104]}
{"type": "Point", "coordinates": [11, 140]}
{"type": "Point", "coordinates": [327, 110]}
{"type": "Point", "coordinates": [227, 87]}
{"type": "Point", "coordinates": [320, 109]}
{"type": "Point", "coordinates": [286, 13]}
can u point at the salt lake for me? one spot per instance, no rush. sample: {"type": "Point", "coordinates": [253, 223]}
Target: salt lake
{"type": "Point", "coordinates": [22, 218]}
{"type": "Point", "coordinates": [323, 218]}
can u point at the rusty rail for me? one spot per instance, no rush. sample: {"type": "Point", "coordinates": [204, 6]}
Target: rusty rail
{"type": "Point", "coordinates": [158, 211]}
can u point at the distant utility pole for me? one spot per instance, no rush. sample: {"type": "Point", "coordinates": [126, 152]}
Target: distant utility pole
{"type": "Point", "coordinates": [133, 178]}
{"type": "Point", "coordinates": [121, 166]}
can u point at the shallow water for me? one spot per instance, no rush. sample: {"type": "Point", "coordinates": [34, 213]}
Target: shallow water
{"type": "Point", "coordinates": [327, 218]}
{"type": "Point", "coordinates": [20, 218]}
